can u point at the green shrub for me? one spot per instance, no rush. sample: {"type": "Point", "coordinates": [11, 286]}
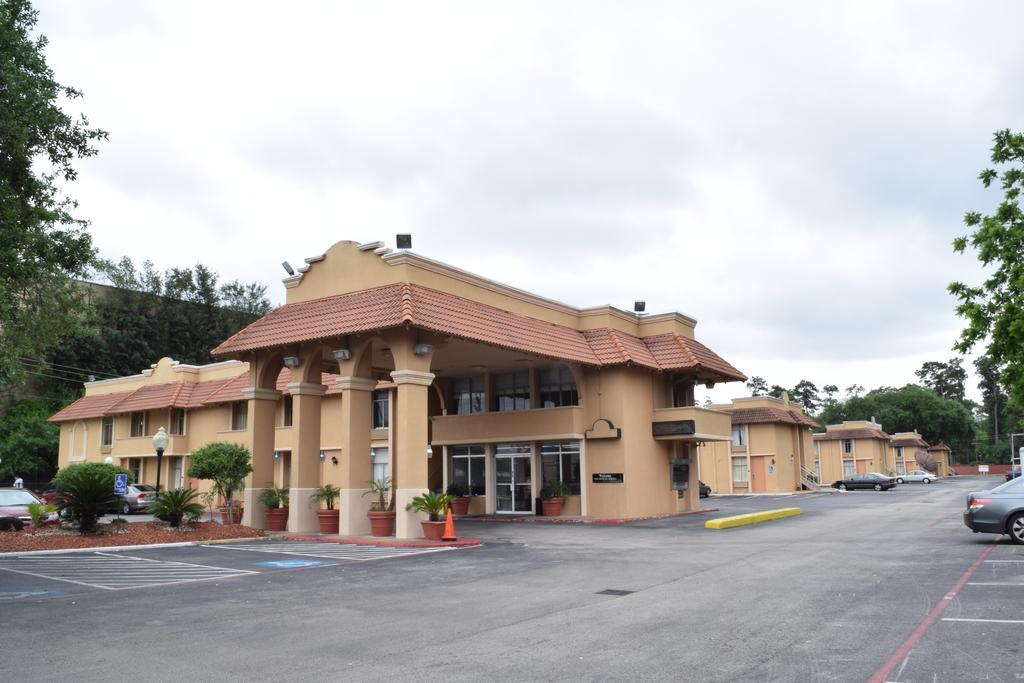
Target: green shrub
{"type": "Point", "coordinates": [434, 503]}
{"type": "Point", "coordinates": [224, 463]}
{"type": "Point", "coordinates": [274, 496]}
{"type": "Point", "coordinates": [175, 504]}
{"type": "Point", "coordinates": [86, 491]}
{"type": "Point", "coordinates": [554, 489]}
{"type": "Point", "coordinates": [328, 493]}
{"type": "Point", "coordinates": [457, 491]}
{"type": "Point", "coordinates": [382, 489]}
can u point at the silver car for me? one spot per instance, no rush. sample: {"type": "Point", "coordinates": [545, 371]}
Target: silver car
{"type": "Point", "coordinates": [137, 499]}
{"type": "Point", "coordinates": [999, 511]}
{"type": "Point", "coordinates": [917, 475]}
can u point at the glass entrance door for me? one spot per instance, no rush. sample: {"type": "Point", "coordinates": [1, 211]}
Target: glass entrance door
{"type": "Point", "coordinates": [513, 481]}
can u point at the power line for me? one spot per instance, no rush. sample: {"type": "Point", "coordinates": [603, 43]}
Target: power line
{"type": "Point", "coordinates": [70, 367]}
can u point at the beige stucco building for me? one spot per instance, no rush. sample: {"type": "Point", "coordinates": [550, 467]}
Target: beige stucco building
{"type": "Point", "coordinates": [853, 447]}
{"type": "Point", "coordinates": [487, 386]}
{"type": "Point", "coordinates": [940, 452]}
{"type": "Point", "coordinates": [770, 450]}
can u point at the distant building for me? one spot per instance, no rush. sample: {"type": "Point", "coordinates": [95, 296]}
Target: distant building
{"type": "Point", "coordinates": [853, 447]}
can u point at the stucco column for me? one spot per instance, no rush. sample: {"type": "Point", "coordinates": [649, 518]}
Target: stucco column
{"type": "Point", "coordinates": [305, 462]}
{"type": "Point", "coordinates": [262, 411]}
{"type": "Point", "coordinates": [355, 466]}
{"type": "Point", "coordinates": [409, 462]}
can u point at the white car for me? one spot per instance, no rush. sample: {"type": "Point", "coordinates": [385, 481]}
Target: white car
{"type": "Point", "coordinates": [917, 475]}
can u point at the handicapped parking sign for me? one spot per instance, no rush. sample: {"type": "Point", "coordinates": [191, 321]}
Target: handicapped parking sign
{"type": "Point", "coordinates": [120, 484]}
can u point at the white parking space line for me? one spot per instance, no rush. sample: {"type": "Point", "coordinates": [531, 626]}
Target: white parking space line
{"type": "Point", "coordinates": [1004, 561]}
{"type": "Point", "coordinates": [333, 551]}
{"type": "Point", "coordinates": [987, 621]}
{"type": "Point", "coordinates": [115, 572]}
{"type": "Point", "coordinates": [1018, 584]}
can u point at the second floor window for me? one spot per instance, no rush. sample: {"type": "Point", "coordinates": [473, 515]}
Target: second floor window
{"type": "Point", "coordinates": [899, 452]}
{"type": "Point", "coordinates": [558, 388]}
{"type": "Point", "coordinates": [239, 416]}
{"type": "Point", "coordinates": [738, 435]}
{"type": "Point", "coordinates": [847, 446]}
{"type": "Point", "coordinates": [381, 401]}
{"type": "Point", "coordinates": [682, 394]}
{"type": "Point", "coordinates": [467, 395]}
{"type": "Point", "coordinates": [512, 391]}
{"type": "Point", "coordinates": [138, 424]}
{"type": "Point", "coordinates": [107, 431]}
{"type": "Point", "coordinates": [286, 410]}
{"type": "Point", "coordinates": [177, 421]}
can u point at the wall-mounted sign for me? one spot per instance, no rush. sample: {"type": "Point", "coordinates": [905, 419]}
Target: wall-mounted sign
{"type": "Point", "coordinates": [681, 474]}
{"type": "Point", "coordinates": [608, 478]}
{"type": "Point", "coordinates": [673, 428]}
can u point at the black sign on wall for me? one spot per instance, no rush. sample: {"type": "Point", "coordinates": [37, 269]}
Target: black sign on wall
{"type": "Point", "coordinates": [673, 428]}
{"type": "Point", "coordinates": [608, 478]}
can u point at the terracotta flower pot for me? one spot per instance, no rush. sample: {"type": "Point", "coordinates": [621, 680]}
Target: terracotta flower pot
{"type": "Point", "coordinates": [328, 520]}
{"type": "Point", "coordinates": [382, 523]}
{"type": "Point", "coordinates": [460, 506]}
{"type": "Point", "coordinates": [552, 506]}
{"type": "Point", "coordinates": [236, 515]}
{"type": "Point", "coordinates": [432, 531]}
{"type": "Point", "coordinates": [277, 519]}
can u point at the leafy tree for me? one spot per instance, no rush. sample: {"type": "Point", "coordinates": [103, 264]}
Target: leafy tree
{"type": "Point", "coordinates": [945, 379]}
{"type": "Point", "coordinates": [42, 244]}
{"type": "Point", "coordinates": [806, 394]}
{"type": "Point", "coordinates": [997, 415]}
{"type": "Point", "coordinates": [854, 390]}
{"type": "Point", "coordinates": [224, 463]}
{"type": "Point", "coordinates": [757, 386]}
{"type": "Point", "coordinates": [776, 391]}
{"type": "Point", "coordinates": [994, 311]}
{"type": "Point", "coordinates": [28, 443]}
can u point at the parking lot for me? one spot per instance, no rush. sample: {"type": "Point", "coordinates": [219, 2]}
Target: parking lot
{"type": "Point", "coordinates": [862, 586]}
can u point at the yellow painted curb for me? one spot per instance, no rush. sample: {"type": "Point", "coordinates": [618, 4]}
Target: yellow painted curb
{"type": "Point", "coordinates": [751, 518]}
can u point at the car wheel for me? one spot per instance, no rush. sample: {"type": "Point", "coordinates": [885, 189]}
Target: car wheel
{"type": "Point", "coordinates": [878, 487]}
{"type": "Point", "coordinates": [1015, 529]}
{"type": "Point", "coordinates": [842, 487]}
{"type": "Point", "coordinates": [899, 480]}
{"type": "Point", "coordinates": [926, 480]}
{"type": "Point", "coordinates": [126, 509]}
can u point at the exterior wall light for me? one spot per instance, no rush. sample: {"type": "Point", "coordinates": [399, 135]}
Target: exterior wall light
{"type": "Point", "coordinates": [430, 451]}
{"type": "Point", "coordinates": [323, 456]}
{"type": "Point", "coordinates": [422, 349]}
{"type": "Point", "coordinates": [277, 455]}
{"type": "Point", "coordinates": [710, 384]}
{"type": "Point", "coordinates": [292, 362]}
{"type": "Point", "coordinates": [343, 354]}
{"type": "Point", "coordinates": [334, 460]}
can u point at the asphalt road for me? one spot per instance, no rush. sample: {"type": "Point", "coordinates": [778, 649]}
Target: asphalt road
{"type": "Point", "coordinates": [862, 585]}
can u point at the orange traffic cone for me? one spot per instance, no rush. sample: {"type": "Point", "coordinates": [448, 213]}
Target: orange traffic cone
{"type": "Point", "coordinates": [449, 528]}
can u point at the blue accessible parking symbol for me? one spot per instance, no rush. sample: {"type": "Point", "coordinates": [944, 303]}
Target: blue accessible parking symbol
{"type": "Point", "coordinates": [291, 564]}
{"type": "Point", "coordinates": [120, 484]}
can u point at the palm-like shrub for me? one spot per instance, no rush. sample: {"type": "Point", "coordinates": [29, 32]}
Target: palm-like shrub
{"type": "Point", "coordinates": [274, 497]}
{"type": "Point", "coordinates": [433, 503]}
{"type": "Point", "coordinates": [176, 504]}
{"type": "Point", "coordinates": [86, 491]}
{"type": "Point", "coordinates": [382, 489]}
{"type": "Point", "coordinates": [328, 493]}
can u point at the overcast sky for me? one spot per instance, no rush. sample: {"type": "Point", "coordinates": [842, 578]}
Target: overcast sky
{"type": "Point", "coordinates": [790, 174]}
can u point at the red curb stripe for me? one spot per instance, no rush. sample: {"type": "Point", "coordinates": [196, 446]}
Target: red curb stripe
{"type": "Point", "coordinates": [464, 542]}
{"type": "Point", "coordinates": [933, 616]}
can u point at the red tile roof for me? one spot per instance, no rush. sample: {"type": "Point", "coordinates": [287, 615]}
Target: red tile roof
{"type": "Point", "coordinates": [181, 395]}
{"type": "Point", "coordinates": [910, 442]}
{"type": "Point", "coordinates": [401, 304]}
{"type": "Point", "coordinates": [860, 433]}
{"type": "Point", "coordinates": [940, 447]}
{"type": "Point", "coordinates": [766, 414]}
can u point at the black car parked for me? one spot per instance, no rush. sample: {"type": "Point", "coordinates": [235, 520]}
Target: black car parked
{"type": "Point", "coordinates": [868, 480]}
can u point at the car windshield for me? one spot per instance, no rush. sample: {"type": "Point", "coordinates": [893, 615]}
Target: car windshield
{"type": "Point", "coordinates": [1011, 486]}
{"type": "Point", "coordinates": [878, 475]}
{"type": "Point", "coordinates": [17, 498]}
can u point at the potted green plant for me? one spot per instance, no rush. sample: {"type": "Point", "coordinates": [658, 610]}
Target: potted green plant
{"type": "Point", "coordinates": [459, 498]}
{"type": "Point", "coordinates": [434, 504]}
{"type": "Point", "coordinates": [275, 499]}
{"type": "Point", "coordinates": [552, 498]}
{"type": "Point", "coordinates": [327, 494]}
{"type": "Point", "coordinates": [227, 465]}
{"type": "Point", "coordinates": [176, 504]}
{"type": "Point", "coordinates": [382, 512]}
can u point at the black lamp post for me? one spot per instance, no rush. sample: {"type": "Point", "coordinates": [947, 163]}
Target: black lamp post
{"type": "Point", "coordinates": [160, 445]}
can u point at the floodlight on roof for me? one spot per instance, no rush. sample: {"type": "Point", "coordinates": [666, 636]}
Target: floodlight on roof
{"type": "Point", "coordinates": [639, 306]}
{"type": "Point", "coordinates": [288, 268]}
{"type": "Point", "coordinates": [403, 241]}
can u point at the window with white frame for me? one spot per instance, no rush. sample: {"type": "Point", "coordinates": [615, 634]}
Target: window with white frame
{"type": "Point", "coordinates": [381, 401]}
{"type": "Point", "coordinates": [138, 424]}
{"type": "Point", "coordinates": [847, 445]}
{"type": "Point", "coordinates": [177, 421]}
{"type": "Point", "coordinates": [381, 459]}
{"type": "Point", "coordinates": [107, 431]}
{"type": "Point", "coordinates": [558, 388]}
{"type": "Point", "coordinates": [740, 469]}
{"type": "Point", "coordinates": [512, 391]}
{"type": "Point", "coordinates": [901, 468]}
{"type": "Point", "coordinates": [849, 469]}
{"type": "Point", "coordinates": [899, 453]}
{"type": "Point", "coordinates": [239, 416]}
{"type": "Point", "coordinates": [467, 395]}
{"type": "Point", "coordinates": [739, 435]}
{"type": "Point", "coordinates": [135, 468]}
{"type": "Point", "coordinates": [560, 461]}
{"type": "Point", "coordinates": [468, 469]}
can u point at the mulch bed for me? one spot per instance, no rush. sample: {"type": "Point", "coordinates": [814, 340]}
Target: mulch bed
{"type": "Point", "coordinates": [140, 533]}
